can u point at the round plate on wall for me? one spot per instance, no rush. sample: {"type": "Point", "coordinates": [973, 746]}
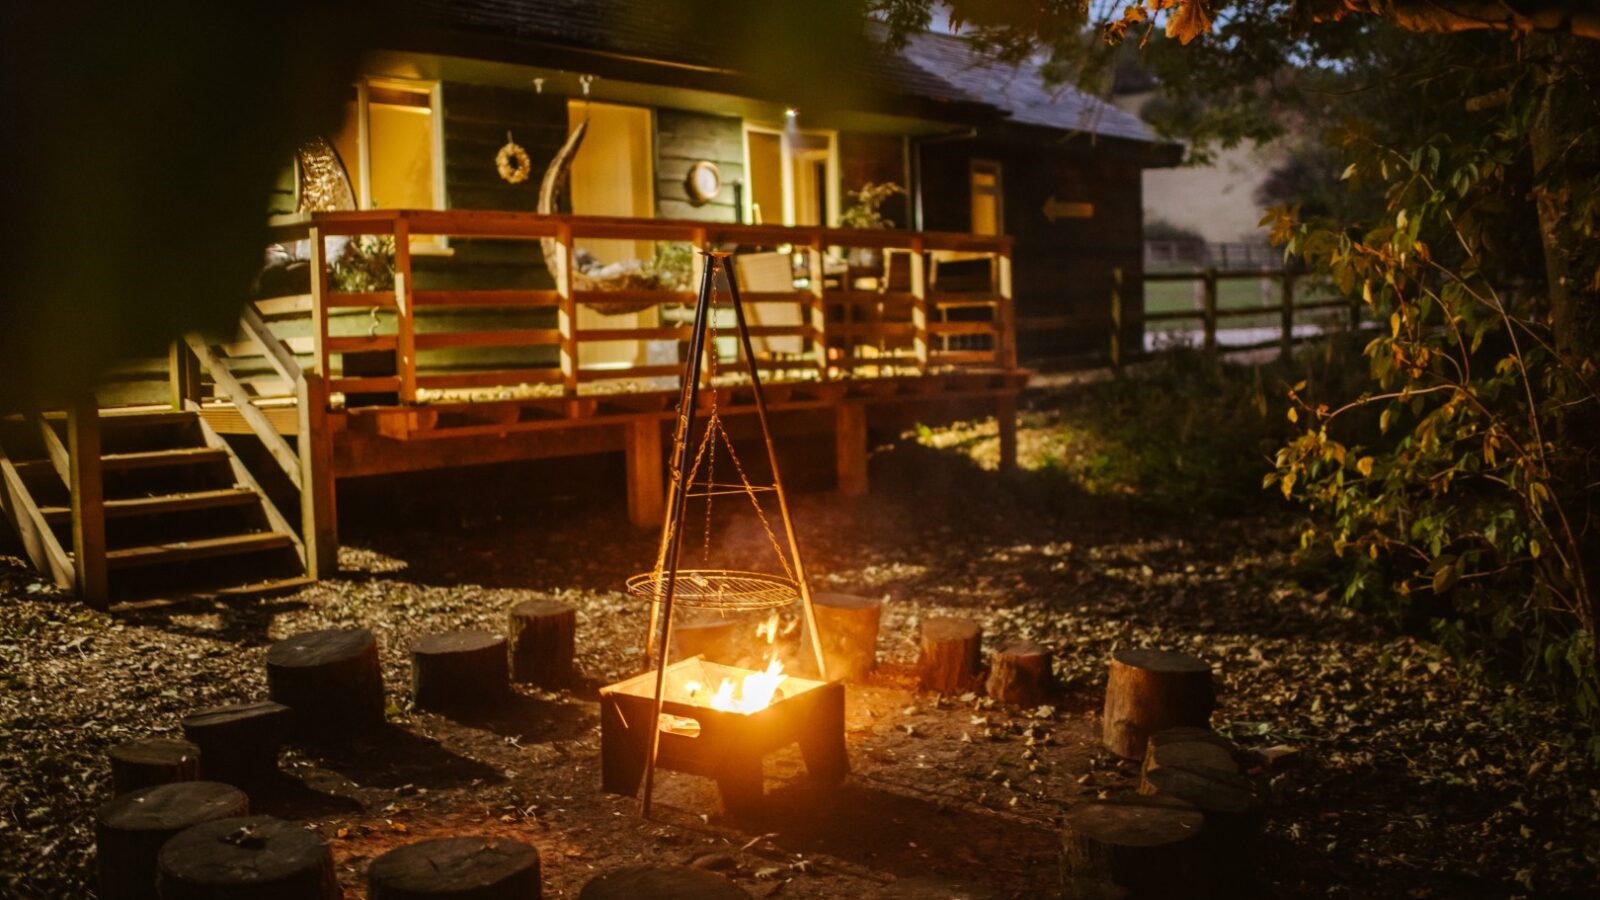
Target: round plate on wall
{"type": "Point", "coordinates": [703, 182]}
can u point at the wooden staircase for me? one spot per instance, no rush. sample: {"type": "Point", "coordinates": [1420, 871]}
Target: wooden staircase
{"type": "Point", "coordinates": [169, 508]}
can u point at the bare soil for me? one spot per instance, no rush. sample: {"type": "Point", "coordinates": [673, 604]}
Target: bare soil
{"type": "Point", "coordinates": [1409, 776]}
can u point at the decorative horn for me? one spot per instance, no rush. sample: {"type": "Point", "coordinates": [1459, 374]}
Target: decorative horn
{"type": "Point", "coordinates": [555, 181]}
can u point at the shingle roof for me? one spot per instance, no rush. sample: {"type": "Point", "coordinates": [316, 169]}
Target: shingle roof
{"type": "Point", "coordinates": [933, 67]}
{"type": "Point", "coordinates": [1022, 91]}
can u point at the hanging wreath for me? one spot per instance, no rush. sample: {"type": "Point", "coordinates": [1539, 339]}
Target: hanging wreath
{"type": "Point", "coordinates": [512, 162]}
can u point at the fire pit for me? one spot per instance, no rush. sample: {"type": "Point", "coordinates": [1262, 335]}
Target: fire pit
{"type": "Point", "coordinates": [721, 721]}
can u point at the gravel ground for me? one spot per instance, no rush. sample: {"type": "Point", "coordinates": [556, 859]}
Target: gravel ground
{"type": "Point", "coordinates": [1401, 773]}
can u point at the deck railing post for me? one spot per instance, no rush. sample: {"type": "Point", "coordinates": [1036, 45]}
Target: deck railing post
{"type": "Point", "coordinates": [1209, 282]}
{"type": "Point", "coordinates": [919, 305]}
{"type": "Point", "coordinates": [567, 318]}
{"type": "Point", "coordinates": [1116, 322]}
{"type": "Point", "coordinates": [183, 375]}
{"type": "Point", "coordinates": [319, 525]}
{"type": "Point", "coordinates": [88, 501]}
{"type": "Point", "coordinates": [319, 301]}
{"type": "Point", "coordinates": [815, 274]}
{"type": "Point", "coordinates": [405, 350]}
{"type": "Point", "coordinates": [1006, 340]}
{"type": "Point", "coordinates": [1286, 346]}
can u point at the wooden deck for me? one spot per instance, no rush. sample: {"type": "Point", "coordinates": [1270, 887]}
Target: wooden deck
{"type": "Point", "coordinates": [472, 371]}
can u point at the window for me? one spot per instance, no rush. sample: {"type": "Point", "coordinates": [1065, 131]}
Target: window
{"type": "Point", "coordinates": [390, 141]}
{"type": "Point", "coordinates": [791, 176]}
{"type": "Point", "coordinates": [988, 214]}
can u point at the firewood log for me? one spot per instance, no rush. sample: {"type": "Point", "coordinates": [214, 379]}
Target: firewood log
{"type": "Point", "coordinates": [130, 830]}
{"type": "Point", "coordinates": [259, 857]}
{"type": "Point", "coordinates": [849, 629]}
{"type": "Point", "coordinates": [1150, 691]}
{"type": "Point", "coordinates": [542, 634]}
{"type": "Point", "coordinates": [1020, 674]}
{"type": "Point", "coordinates": [459, 671]}
{"type": "Point", "coordinates": [663, 882]}
{"type": "Point", "coordinates": [1148, 846]}
{"type": "Point", "coordinates": [239, 744]}
{"type": "Point", "coordinates": [1192, 747]}
{"type": "Point", "coordinates": [151, 761]}
{"type": "Point", "coordinates": [467, 868]}
{"type": "Point", "coordinates": [950, 653]}
{"type": "Point", "coordinates": [331, 679]}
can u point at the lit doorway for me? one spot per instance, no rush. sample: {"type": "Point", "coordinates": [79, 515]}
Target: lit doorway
{"type": "Point", "coordinates": [791, 176]}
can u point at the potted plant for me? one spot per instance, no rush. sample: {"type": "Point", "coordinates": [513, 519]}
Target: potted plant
{"type": "Point", "coordinates": [865, 210]}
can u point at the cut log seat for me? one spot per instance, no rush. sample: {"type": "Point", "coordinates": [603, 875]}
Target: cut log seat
{"type": "Point", "coordinates": [1150, 691]}
{"type": "Point", "coordinates": [1149, 846]}
{"type": "Point", "coordinates": [239, 744]}
{"type": "Point", "coordinates": [130, 830]}
{"type": "Point", "coordinates": [147, 762]}
{"type": "Point", "coordinates": [256, 857]}
{"type": "Point", "coordinates": [542, 635]}
{"type": "Point", "coordinates": [950, 654]}
{"type": "Point", "coordinates": [849, 628]}
{"type": "Point", "coordinates": [1021, 674]}
{"type": "Point", "coordinates": [331, 679]}
{"type": "Point", "coordinates": [459, 671]}
{"type": "Point", "coordinates": [459, 868]}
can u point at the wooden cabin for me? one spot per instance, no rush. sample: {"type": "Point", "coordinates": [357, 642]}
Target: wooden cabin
{"type": "Point", "coordinates": [431, 301]}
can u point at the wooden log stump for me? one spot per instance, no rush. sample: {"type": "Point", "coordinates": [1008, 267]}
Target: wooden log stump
{"type": "Point", "coordinates": [257, 857]}
{"type": "Point", "coordinates": [331, 679]}
{"type": "Point", "coordinates": [130, 830]}
{"type": "Point", "coordinates": [1148, 846]}
{"type": "Point", "coordinates": [1150, 691]}
{"type": "Point", "coordinates": [459, 671]}
{"type": "Point", "coordinates": [465, 868]}
{"type": "Point", "coordinates": [151, 761]}
{"type": "Point", "coordinates": [1188, 747]}
{"type": "Point", "coordinates": [239, 744]}
{"type": "Point", "coordinates": [720, 640]}
{"type": "Point", "coordinates": [1020, 674]}
{"type": "Point", "coordinates": [950, 654]}
{"type": "Point", "coordinates": [849, 628]}
{"type": "Point", "coordinates": [542, 634]}
{"type": "Point", "coordinates": [661, 883]}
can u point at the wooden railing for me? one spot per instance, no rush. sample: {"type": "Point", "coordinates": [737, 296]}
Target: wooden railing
{"type": "Point", "coordinates": [1209, 314]}
{"type": "Point", "coordinates": [844, 330]}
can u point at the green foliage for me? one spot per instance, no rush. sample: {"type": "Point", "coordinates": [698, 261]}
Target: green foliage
{"type": "Point", "coordinates": [866, 204]}
{"type": "Point", "coordinates": [1460, 488]}
{"type": "Point", "coordinates": [366, 263]}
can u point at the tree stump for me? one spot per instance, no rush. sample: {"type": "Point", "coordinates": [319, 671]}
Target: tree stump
{"type": "Point", "coordinates": [950, 648]}
{"type": "Point", "coordinates": [849, 629]}
{"type": "Point", "coordinates": [1187, 747]}
{"type": "Point", "coordinates": [239, 744]}
{"type": "Point", "coordinates": [130, 830]}
{"type": "Point", "coordinates": [331, 679]}
{"type": "Point", "coordinates": [661, 883]}
{"type": "Point", "coordinates": [1146, 845]}
{"type": "Point", "coordinates": [1151, 691]}
{"type": "Point", "coordinates": [468, 868]}
{"type": "Point", "coordinates": [542, 634]}
{"type": "Point", "coordinates": [151, 761]}
{"type": "Point", "coordinates": [721, 640]}
{"type": "Point", "coordinates": [459, 671]}
{"type": "Point", "coordinates": [258, 857]}
{"type": "Point", "coordinates": [1020, 674]}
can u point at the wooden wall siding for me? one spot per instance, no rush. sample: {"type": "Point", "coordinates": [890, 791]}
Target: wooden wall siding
{"type": "Point", "coordinates": [685, 138]}
{"type": "Point", "coordinates": [874, 158]}
{"type": "Point", "coordinates": [1060, 268]}
{"type": "Point", "coordinates": [476, 119]}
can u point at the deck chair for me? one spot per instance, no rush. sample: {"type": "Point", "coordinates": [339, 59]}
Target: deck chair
{"type": "Point", "coordinates": [770, 272]}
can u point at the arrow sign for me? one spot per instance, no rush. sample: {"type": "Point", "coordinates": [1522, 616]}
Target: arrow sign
{"type": "Point", "coordinates": [1055, 210]}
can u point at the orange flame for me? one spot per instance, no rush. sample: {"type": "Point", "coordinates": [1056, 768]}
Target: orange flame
{"type": "Point", "coordinates": [754, 692]}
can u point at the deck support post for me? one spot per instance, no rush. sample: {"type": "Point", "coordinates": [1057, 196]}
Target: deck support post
{"type": "Point", "coordinates": [88, 501]}
{"type": "Point", "coordinates": [1005, 415]}
{"type": "Point", "coordinates": [183, 375]}
{"type": "Point", "coordinates": [319, 524]}
{"type": "Point", "coordinates": [646, 500]}
{"type": "Point", "coordinates": [850, 447]}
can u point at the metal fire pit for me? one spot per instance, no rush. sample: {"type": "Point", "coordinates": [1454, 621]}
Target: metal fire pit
{"type": "Point", "coordinates": [726, 746]}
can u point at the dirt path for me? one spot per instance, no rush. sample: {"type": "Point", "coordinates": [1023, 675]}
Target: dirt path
{"type": "Point", "coordinates": [1411, 776]}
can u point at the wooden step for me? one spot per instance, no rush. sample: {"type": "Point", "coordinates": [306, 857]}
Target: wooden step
{"type": "Point", "coordinates": [178, 456]}
{"type": "Point", "coordinates": [200, 548]}
{"type": "Point", "coordinates": [164, 503]}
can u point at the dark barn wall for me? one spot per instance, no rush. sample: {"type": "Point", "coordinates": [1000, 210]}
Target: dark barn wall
{"type": "Point", "coordinates": [1059, 268]}
{"type": "Point", "coordinates": [685, 138]}
{"type": "Point", "coordinates": [875, 158]}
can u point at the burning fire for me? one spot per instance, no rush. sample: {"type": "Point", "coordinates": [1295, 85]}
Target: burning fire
{"type": "Point", "coordinates": [754, 692]}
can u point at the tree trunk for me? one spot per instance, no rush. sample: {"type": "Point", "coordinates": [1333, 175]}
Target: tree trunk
{"type": "Point", "coordinates": [239, 744]}
{"type": "Point", "coordinates": [331, 679]}
{"type": "Point", "coordinates": [151, 761]}
{"type": "Point", "coordinates": [468, 868]}
{"type": "Point", "coordinates": [543, 634]}
{"type": "Point", "coordinates": [258, 857]}
{"type": "Point", "coordinates": [1020, 674]}
{"type": "Point", "coordinates": [1146, 845]}
{"type": "Point", "coordinates": [638, 882]}
{"type": "Point", "coordinates": [459, 671]}
{"type": "Point", "coordinates": [130, 830]}
{"type": "Point", "coordinates": [849, 630]}
{"type": "Point", "coordinates": [950, 653]}
{"type": "Point", "coordinates": [1150, 691]}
